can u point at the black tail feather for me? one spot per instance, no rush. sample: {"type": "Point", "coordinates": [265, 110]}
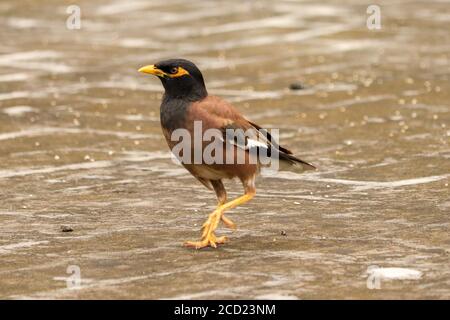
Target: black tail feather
{"type": "Point", "coordinates": [284, 155]}
{"type": "Point", "coordinates": [295, 161]}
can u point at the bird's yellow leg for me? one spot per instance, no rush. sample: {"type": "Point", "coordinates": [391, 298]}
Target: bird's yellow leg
{"type": "Point", "coordinates": [230, 224]}
{"type": "Point", "coordinates": [221, 194]}
{"type": "Point", "coordinates": [208, 237]}
{"type": "Point", "coordinates": [237, 202]}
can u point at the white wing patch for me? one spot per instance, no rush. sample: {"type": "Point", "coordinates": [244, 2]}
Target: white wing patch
{"type": "Point", "coordinates": [256, 144]}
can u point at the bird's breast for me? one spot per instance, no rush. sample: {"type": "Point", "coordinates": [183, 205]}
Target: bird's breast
{"type": "Point", "coordinates": [173, 114]}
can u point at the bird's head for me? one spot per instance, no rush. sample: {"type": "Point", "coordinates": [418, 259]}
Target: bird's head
{"type": "Point", "coordinates": [181, 78]}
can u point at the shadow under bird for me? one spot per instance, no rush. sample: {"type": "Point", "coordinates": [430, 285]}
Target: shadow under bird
{"type": "Point", "coordinates": [185, 102]}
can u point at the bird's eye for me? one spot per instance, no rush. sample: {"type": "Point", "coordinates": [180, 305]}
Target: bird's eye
{"type": "Point", "coordinates": [173, 70]}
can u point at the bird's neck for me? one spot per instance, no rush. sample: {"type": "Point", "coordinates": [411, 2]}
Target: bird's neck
{"type": "Point", "coordinates": [186, 94]}
{"type": "Point", "coordinates": [187, 89]}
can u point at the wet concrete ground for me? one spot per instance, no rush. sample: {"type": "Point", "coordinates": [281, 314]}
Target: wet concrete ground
{"type": "Point", "coordinates": [81, 146]}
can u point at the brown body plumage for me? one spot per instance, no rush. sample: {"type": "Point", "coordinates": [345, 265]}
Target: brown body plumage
{"type": "Point", "coordinates": [186, 101]}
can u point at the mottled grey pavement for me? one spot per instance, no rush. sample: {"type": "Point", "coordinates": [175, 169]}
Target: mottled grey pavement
{"type": "Point", "coordinates": [81, 146]}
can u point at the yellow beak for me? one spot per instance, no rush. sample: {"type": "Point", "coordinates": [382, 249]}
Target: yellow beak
{"type": "Point", "coordinates": [151, 69]}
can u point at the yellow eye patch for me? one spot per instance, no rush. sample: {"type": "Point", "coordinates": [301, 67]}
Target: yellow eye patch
{"type": "Point", "coordinates": [175, 73]}
{"type": "Point", "coordinates": [179, 72]}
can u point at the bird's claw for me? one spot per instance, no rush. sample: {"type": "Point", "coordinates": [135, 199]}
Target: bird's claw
{"type": "Point", "coordinates": [208, 241]}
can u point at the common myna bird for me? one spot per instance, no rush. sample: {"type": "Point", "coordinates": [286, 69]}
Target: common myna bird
{"type": "Point", "coordinates": [185, 103]}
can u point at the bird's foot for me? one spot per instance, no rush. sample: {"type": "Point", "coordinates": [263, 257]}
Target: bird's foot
{"type": "Point", "coordinates": [210, 240]}
{"type": "Point", "coordinates": [230, 224]}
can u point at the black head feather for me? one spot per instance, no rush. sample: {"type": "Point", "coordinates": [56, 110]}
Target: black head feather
{"type": "Point", "coordinates": [190, 86]}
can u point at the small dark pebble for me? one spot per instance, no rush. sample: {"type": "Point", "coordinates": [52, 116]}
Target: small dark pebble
{"type": "Point", "coordinates": [66, 229]}
{"type": "Point", "coordinates": [297, 86]}
{"type": "Point", "coordinates": [283, 233]}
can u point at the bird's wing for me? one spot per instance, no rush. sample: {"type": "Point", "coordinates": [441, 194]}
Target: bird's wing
{"type": "Point", "coordinates": [270, 139]}
{"type": "Point", "coordinates": [216, 113]}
